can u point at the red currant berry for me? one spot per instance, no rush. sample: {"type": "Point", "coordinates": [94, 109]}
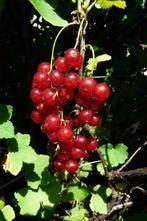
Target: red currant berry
{"type": "Point", "coordinates": [73, 58]}
{"type": "Point", "coordinates": [92, 144]}
{"type": "Point", "coordinates": [96, 120]}
{"type": "Point", "coordinates": [82, 101]}
{"type": "Point", "coordinates": [96, 106]}
{"type": "Point", "coordinates": [63, 155]}
{"type": "Point", "coordinates": [76, 153]}
{"type": "Point", "coordinates": [87, 86]}
{"type": "Point", "coordinates": [68, 144]}
{"type": "Point", "coordinates": [37, 117]}
{"type": "Point", "coordinates": [52, 136]}
{"type": "Point", "coordinates": [68, 121]}
{"type": "Point", "coordinates": [71, 166]}
{"type": "Point", "coordinates": [65, 133]}
{"type": "Point", "coordinates": [71, 80]}
{"type": "Point", "coordinates": [44, 67]}
{"type": "Point", "coordinates": [35, 95]}
{"type": "Point", "coordinates": [86, 116]}
{"type": "Point", "coordinates": [58, 166]}
{"type": "Point", "coordinates": [52, 122]}
{"type": "Point", "coordinates": [61, 65]}
{"type": "Point", "coordinates": [65, 95]}
{"type": "Point", "coordinates": [102, 91]}
{"type": "Point", "coordinates": [80, 141]}
{"type": "Point", "coordinates": [40, 79]}
{"type": "Point", "coordinates": [56, 78]}
{"type": "Point", "coordinates": [49, 96]}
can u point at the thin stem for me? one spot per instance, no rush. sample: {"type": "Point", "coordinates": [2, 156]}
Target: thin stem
{"type": "Point", "coordinates": [104, 163]}
{"type": "Point", "coordinates": [57, 36]}
{"type": "Point", "coordinates": [90, 7]}
{"type": "Point", "coordinates": [91, 48]}
{"type": "Point", "coordinates": [89, 163]}
{"type": "Point", "coordinates": [130, 159]}
{"type": "Point", "coordinates": [12, 181]}
{"type": "Point", "coordinates": [79, 32]}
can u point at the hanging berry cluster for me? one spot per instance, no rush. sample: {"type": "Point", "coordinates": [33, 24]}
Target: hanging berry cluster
{"type": "Point", "coordinates": [52, 91]}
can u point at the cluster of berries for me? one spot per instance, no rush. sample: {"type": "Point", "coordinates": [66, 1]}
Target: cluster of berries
{"type": "Point", "coordinates": [51, 91]}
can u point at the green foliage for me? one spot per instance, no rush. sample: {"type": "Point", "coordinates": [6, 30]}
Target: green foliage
{"type": "Point", "coordinates": [109, 3]}
{"type": "Point", "coordinates": [84, 170]}
{"type": "Point", "coordinates": [93, 62]}
{"type": "Point", "coordinates": [7, 213]}
{"type": "Point", "coordinates": [98, 201]}
{"type": "Point", "coordinates": [77, 214]}
{"type": "Point", "coordinates": [100, 169]}
{"type": "Point", "coordinates": [114, 155]}
{"type": "Point", "coordinates": [48, 13]}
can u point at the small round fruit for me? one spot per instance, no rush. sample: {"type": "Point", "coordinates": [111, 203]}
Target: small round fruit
{"type": "Point", "coordinates": [44, 67]}
{"type": "Point", "coordinates": [65, 133]}
{"type": "Point", "coordinates": [73, 58]}
{"type": "Point", "coordinates": [56, 78]}
{"type": "Point", "coordinates": [61, 65]}
{"type": "Point", "coordinates": [63, 155]}
{"type": "Point", "coordinates": [58, 165]}
{"type": "Point", "coordinates": [71, 80]}
{"type": "Point", "coordinates": [87, 86]}
{"type": "Point", "coordinates": [41, 80]}
{"type": "Point", "coordinates": [65, 95]}
{"type": "Point", "coordinates": [52, 122]}
{"type": "Point", "coordinates": [49, 96]}
{"type": "Point", "coordinates": [35, 95]}
{"type": "Point", "coordinates": [52, 136]}
{"type": "Point", "coordinates": [102, 91]}
{"type": "Point", "coordinates": [71, 166]}
{"type": "Point", "coordinates": [76, 153]}
{"type": "Point", "coordinates": [37, 117]}
{"type": "Point", "coordinates": [92, 144]}
{"type": "Point", "coordinates": [80, 141]}
{"type": "Point", "coordinates": [96, 120]}
{"type": "Point", "coordinates": [86, 116]}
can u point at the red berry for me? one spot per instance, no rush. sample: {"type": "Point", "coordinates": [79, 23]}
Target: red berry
{"type": "Point", "coordinates": [82, 101]}
{"type": "Point", "coordinates": [44, 67]}
{"type": "Point", "coordinates": [96, 120]}
{"type": "Point", "coordinates": [73, 58]}
{"type": "Point", "coordinates": [41, 80]}
{"type": "Point", "coordinates": [37, 117]}
{"type": "Point", "coordinates": [71, 166]}
{"type": "Point", "coordinates": [49, 96]}
{"type": "Point", "coordinates": [65, 95]}
{"type": "Point", "coordinates": [68, 121]}
{"type": "Point", "coordinates": [65, 133]}
{"type": "Point", "coordinates": [52, 122]}
{"type": "Point", "coordinates": [86, 116]}
{"type": "Point", "coordinates": [102, 91]}
{"type": "Point", "coordinates": [56, 78]}
{"type": "Point", "coordinates": [61, 65]}
{"type": "Point", "coordinates": [52, 136]}
{"type": "Point", "coordinates": [58, 166]}
{"type": "Point", "coordinates": [68, 144]}
{"type": "Point", "coordinates": [63, 155]}
{"type": "Point", "coordinates": [96, 106]}
{"type": "Point", "coordinates": [92, 144]}
{"type": "Point", "coordinates": [71, 80]}
{"type": "Point", "coordinates": [35, 95]}
{"type": "Point", "coordinates": [76, 153]}
{"type": "Point", "coordinates": [87, 86]}
{"type": "Point", "coordinates": [80, 141]}
{"type": "Point", "coordinates": [77, 121]}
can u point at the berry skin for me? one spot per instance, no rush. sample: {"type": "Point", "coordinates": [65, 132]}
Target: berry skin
{"type": "Point", "coordinates": [52, 122]}
{"type": "Point", "coordinates": [68, 121]}
{"type": "Point", "coordinates": [44, 67]}
{"type": "Point", "coordinates": [65, 95]}
{"type": "Point", "coordinates": [87, 86]}
{"type": "Point", "coordinates": [65, 133]}
{"type": "Point", "coordinates": [86, 116]}
{"type": "Point", "coordinates": [102, 91]}
{"type": "Point", "coordinates": [71, 166]}
{"type": "Point", "coordinates": [35, 95]}
{"type": "Point", "coordinates": [92, 144]}
{"type": "Point", "coordinates": [71, 80]}
{"type": "Point", "coordinates": [73, 58]}
{"type": "Point", "coordinates": [41, 80]}
{"type": "Point", "coordinates": [37, 117]}
{"type": "Point", "coordinates": [58, 165]}
{"type": "Point", "coordinates": [76, 153]}
{"type": "Point", "coordinates": [49, 96]}
{"type": "Point", "coordinates": [56, 78]}
{"type": "Point", "coordinates": [96, 120]}
{"type": "Point", "coordinates": [52, 136]}
{"type": "Point", "coordinates": [80, 141]}
{"type": "Point", "coordinates": [63, 155]}
{"type": "Point", "coordinates": [61, 65]}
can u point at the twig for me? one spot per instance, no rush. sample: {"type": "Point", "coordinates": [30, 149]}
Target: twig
{"type": "Point", "coordinates": [104, 164]}
{"type": "Point", "coordinates": [130, 159]}
{"type": "Point", "coordinates": [121, 206]}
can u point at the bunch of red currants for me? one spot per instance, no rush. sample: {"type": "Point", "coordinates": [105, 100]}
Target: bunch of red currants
{"type": "Point", "coordinates": [51, 92]}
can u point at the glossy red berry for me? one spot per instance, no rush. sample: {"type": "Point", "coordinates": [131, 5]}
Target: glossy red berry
{"type": "Point", "coordinates": [80, 141]}
{"type": "Point", "coordinates": [71, 166]}
{"type": "Point", "coordinates": [35, 95]}
{"type": "Point", "coordinates": [58, 165]}
{"type": "Point", "coordinates": [96, 120]}
{"type": "Point", "coordinates": [86, 116]}
{"type": "Point", "coordinates": [76, 153]}
{"type": "Point", "coordinates": [68, 121]}
{"type": "Point", "coordinates": [44, 67]}
{"type": "Point", "coordinates": [56, 78]}
{"type": "Point", "coordinates": [68, 144]}
{"type": "Point", "coordinates": [92, 144]}
{"type": "Point", "coordinates": [41, 80]}
{"type": "Point", "coordinates": [71, 80]}
{"type": "Point", "coordinates": [102, 91]}
{"type": "Point", "coordinates": [87, 86]}
{"type": "Point", "coordinates": [52, 122]}
{"type": "Point", "coordinates": [52, 136]}
{"type": "Point", "coordinates": [65, 133]}
{"type": "Point", "coordinates": [61, 65]}
{"type": "Point", "coordinates": [65, 95]}
{"type": "Point", "coordinates": [63, 155]}
{"type": "Point", "coordinates": [49, 96]}
{"type": "Point", "coordinates": [37, 117]}
{"type": "Point", "coordinates": [73, 58]}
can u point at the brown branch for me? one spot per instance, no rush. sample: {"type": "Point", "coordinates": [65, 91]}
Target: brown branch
{"type": "Point", "coordinates": [131, 157]}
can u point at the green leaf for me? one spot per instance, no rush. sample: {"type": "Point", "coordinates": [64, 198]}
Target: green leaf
{"type": "Point", "coordinates": [109, 3]}
{"type": "Point", "coordinates": [37, 173]}
{"type": "Point", "coordinates": [84, 170]}
{"type": "Point", "coordinates": [92, 62]}
{"type": "Point", "coordinates": [2, 202]}
{"type": "Point", "coordinates": [42, 197]}
{"type": "Point", "coordinates": [100, 169]}
{"type": "Point", "coordinates": [19, 152]}
{"type": "Point", "coordinates": [114, 155]}
{"type": "Point", "coordinates": [75, 192]}
{"type": "Point", "coordinates": [48, 13]}
{"type": "Point", "coordinates": [6, 130]}
{"type": "Point", "coordinates": [8, 213]}
{"type": "Point", "coordinates": [77, 214]}
{"type": "Point", "coordinates": [5, 113]}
